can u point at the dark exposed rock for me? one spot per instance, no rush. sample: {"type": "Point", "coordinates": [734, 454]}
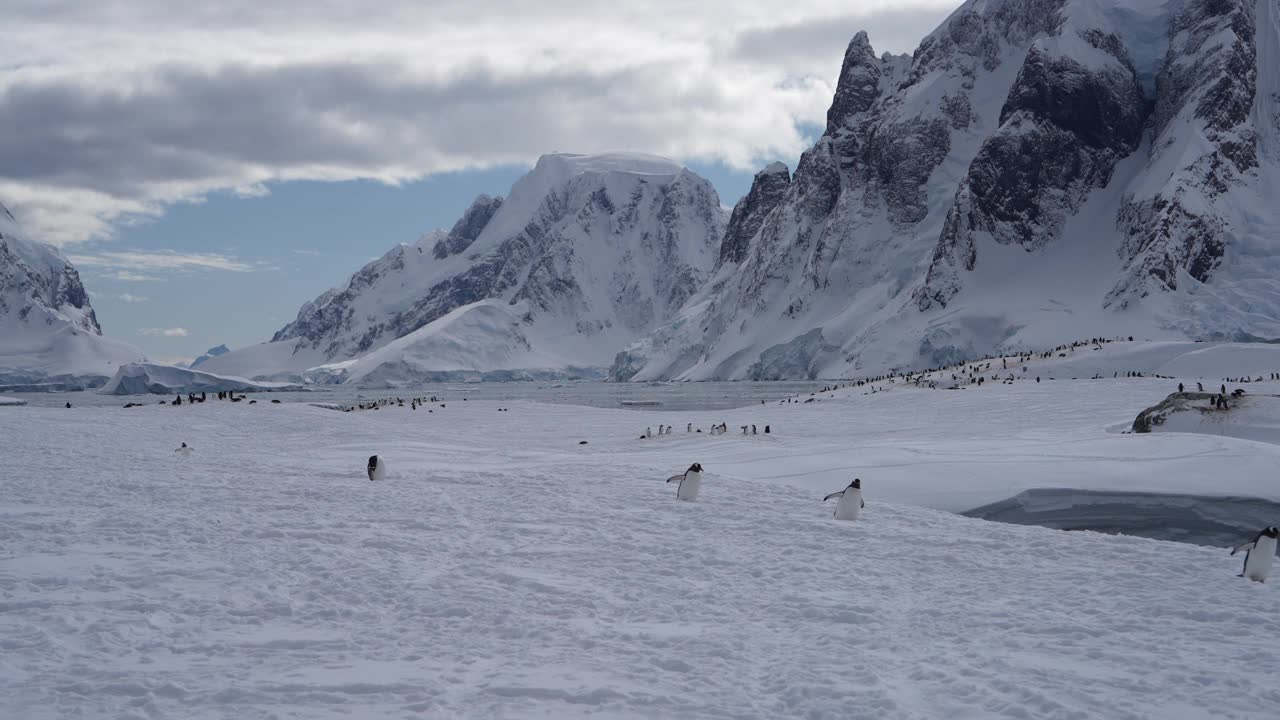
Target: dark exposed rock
{"type": "Point", "coordinates": [767, 191]}
{"type": "Point", "coordinates": [859, 84]}
{"type": "Point", "coordinates": [1062, 130]}
{"type": "Point", "coordinates": [468, 227]}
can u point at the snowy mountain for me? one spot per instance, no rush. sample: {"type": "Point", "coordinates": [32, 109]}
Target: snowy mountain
{"type": "Point", "coordinates": [49, 334]}
{"type": "Point", "coordinates": [209, 354]}
{"type": "Point", "coordinates": [1038, 169]}
{"type": "Point", "coordinates": [585, 255]}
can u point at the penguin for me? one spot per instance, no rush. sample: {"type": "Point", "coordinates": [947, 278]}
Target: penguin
{"type": "Point", "coordinates": [688, 428]}
{"type": "Point", "coordinates": [1259, 554]}
{"type": "Point", "coordinates": [850, 502]}
{"type": "Point", "coordinates": [377, 468]}
{"type": "Point", "coordinates": [690, 482]}
{"type": "Point", "coordinates": [185, 451]}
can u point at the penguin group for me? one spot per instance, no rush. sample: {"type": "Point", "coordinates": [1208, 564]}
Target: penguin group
{"type": "Point", "coordinates": [717, 429]}
{"type": "Point", "coordinates": [399, 402]}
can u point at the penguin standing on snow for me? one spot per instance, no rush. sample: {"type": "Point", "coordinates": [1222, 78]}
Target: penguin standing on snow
{"type": "Point", "coordinates": [690, 482]}
{"type": "Point", "coordinates": [850, 503]}
{"type": "Point", "coordinates": [1259, 554]}
{"type": "Point", "coordinates": [377, 468]}
{"type": "Point", "coordinates": [184, 451]}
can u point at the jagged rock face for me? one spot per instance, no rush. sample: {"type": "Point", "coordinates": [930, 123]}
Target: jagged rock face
{"type": "Point", "coordinates": [767, 191]}
{"type": "Point", "coordinates": [34, 277]}
{"type": "Point", "coordinates": [591, 244]}
{"type": "Point", "coordinates": [468, 227]}
{"type": "Point", "coordinates": [1062, 130]}
{"type": "Point", "coordinates": [1208, 85]}
{"type": "Point", "coordinates": [1024, 141]}
{"type": "Point", "coordinates": [859, 85]}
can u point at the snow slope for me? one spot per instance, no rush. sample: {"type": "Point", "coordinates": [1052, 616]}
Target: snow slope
{"type": "Point", "coordinates": [11, 402]}
{"type": "Point", "coordinates": [49, 334]}
{"type": "Point", "coordinates": [504, 570]}
{"type": "Point", "coordinates": [142, 378]}
{"type": "Point", "coordinates": [483, 341]}
{"type": "Point", "coordinates": [585, 255]}
{"type": "Point", "coordinates": [1037, 169]}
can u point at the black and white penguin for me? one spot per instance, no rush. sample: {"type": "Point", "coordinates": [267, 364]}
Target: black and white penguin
{"type": "Point", "coordinates": [690, 482]}
{"type": "Point", "coordinates": [1259, 554]}
{"type": "Point", "coordinates": [377, 468]}
{"type": "Point", "coordinates": [688, 428]}
{"type": "Point", "coordinates": [184, 451]}
{"type": "Point", "coordinates": [850, 503]}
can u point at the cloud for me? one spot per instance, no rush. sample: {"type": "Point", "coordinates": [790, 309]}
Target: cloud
{"type": "Point", "coordinates": [133, 261]}
{"type": "Point", "coordinates": [166, 332]}
{"type": "Point", "coordinates": [239, 94]}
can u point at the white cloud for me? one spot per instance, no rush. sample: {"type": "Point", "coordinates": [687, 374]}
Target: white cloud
{"type": "Point", "coordinates": [231, 95]}
{"type": "Point", "coordinates": [130, 298]}
{"type": "Point", "coordinates": [159, 260]}
{"type": "Point", "coordinates": [166, 332]}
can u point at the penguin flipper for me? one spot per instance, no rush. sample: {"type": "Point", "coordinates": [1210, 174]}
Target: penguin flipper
{"type": "Point", "coordinates": [675, 478]}
{"type": "Point", "coordinates": [1246, 546]}
{"type": "Point", "coordinates": [864, 503]}
{"type": "Point", "coordinates": [834, 494]}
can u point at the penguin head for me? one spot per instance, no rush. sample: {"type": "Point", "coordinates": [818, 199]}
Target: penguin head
{"type": "Point", "coordinates": [856, 484]}
{"type": "Point", "coordinates": [696, 467]}
{"type": "Point", "coordinates": [1272, 532]}
{"type": "Point", "coordinates": [184, 444]}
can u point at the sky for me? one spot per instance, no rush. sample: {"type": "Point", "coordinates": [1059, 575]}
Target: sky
{"type": "Point", "coordinates": [209, 167]}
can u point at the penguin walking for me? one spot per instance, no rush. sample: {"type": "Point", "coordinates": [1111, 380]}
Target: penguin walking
{"type": "Point", "coordinates": [377, 468]}
{"type": "Point", "coordinates": [185, 451]}
{"type": "Point", "coordinates": [690, 482]}
{"type": "Point", "coordinates": [850, 502]}
{"type": "Point", "coordinates": [1259, 554]}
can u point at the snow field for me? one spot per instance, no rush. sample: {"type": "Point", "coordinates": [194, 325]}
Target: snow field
{"type": "Point", "coordinates": [502, 570]}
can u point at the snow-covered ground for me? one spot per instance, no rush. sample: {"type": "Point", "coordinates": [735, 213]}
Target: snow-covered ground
{"type": "Point", "coordinates": [505, 570]}
{"type": "Point", "coordinates": [11, 401]}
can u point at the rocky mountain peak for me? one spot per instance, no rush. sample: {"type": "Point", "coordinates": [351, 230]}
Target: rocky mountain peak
{"type": "Point", "coordinates": [859, 83]}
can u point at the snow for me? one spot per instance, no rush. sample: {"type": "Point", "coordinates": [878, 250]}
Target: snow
{"type": "Point", "coordinates": [274, 360]}
{"type": "Point", "coordinates": [504, 570]}
{"type": "Point", "coordinates": [142, 378]}
{"type": "Point", "coordinates": [11, 402]}
{"type": "Point", "coordinates": [480, 341]}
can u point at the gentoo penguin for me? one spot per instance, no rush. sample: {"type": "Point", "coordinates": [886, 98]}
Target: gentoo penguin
{"type": "Point", "coordinates": [184, 451]}
{"type": "Point", "coordinates": [688, 428]}
{"type": "Point", "coordinates": [690, 482]}
{"type": "Point", "coordinates": [850, 501]}
{"type": "Point", "coordinates": [377, 468]}
{"type": "Point", "coordinates": [1259, 554]}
